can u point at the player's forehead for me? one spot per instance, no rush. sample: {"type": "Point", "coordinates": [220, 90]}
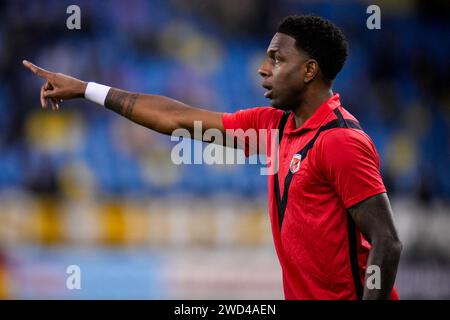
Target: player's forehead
{"type": "Point", "coordinates": [282, 43]}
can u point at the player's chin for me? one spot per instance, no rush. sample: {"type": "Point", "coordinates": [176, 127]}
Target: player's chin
{"type": "Point", "coordinates": [278, 104]}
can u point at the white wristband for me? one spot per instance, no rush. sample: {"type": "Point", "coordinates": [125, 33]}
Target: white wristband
{"type": "Point", "coordinates": [96, 92]}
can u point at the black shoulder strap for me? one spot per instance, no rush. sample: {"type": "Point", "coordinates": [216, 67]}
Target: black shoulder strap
{"type": "Point", "coordinates": [282, 125]}
{"type": "Point", "coordinates": [277, 186]}
{"type": "Point", "coordinates": [340, 122]}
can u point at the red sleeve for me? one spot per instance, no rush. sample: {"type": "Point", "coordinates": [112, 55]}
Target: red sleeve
{"type": "Point", "coordinates": [254, 118]}
{"type": "Point", "coordinates": [348, 160]}
{"type": "Point", "coordinates": [246, 122]}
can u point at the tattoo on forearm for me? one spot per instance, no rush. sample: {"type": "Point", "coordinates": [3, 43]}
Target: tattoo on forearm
{"type": "Point", "coordinates": [121, 102]}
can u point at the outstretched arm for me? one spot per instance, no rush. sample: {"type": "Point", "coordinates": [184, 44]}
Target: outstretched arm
{"type": "Point", "coordinates": [160, 113]}
{"type": "Point", "coordinates": [155, 112]}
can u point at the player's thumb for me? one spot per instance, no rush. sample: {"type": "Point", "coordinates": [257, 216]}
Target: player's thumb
{"type": "Point", "coordinates": [51, 93]}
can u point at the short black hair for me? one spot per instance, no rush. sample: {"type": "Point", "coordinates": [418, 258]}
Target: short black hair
{"type": "Point", "coordinates": [320, 39]}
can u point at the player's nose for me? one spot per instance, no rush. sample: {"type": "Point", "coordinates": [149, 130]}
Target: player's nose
{"type": "Point", "coordinates": [263, 70]}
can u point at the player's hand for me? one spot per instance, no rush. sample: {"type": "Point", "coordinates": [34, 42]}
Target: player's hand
{"type": "Point", "coordinates": [58, 86]}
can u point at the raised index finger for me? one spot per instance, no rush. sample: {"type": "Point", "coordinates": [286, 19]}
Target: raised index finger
{"type": "Point", "coordinates": [36, 70]}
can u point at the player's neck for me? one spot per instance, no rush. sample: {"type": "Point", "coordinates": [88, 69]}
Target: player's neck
{"type": "Point", "coordinates": [311, 102]}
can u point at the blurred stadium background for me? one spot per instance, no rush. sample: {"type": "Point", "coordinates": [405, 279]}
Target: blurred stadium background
{"type": "Point", "coordinates": [86, 187]}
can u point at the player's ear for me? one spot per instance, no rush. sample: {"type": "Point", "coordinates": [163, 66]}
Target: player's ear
{"type": "Point", "coordinates": [311, 70]}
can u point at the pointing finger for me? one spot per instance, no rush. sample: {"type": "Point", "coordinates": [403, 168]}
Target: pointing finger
{"type": "Point", "coordinates": [36, 70]}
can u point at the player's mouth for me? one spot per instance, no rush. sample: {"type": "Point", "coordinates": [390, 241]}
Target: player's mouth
{"type": "Point", "coordinates": [268, 93]}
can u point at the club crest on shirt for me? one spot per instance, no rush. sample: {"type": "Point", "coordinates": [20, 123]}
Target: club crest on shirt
{"type": "Point", "coordinates": [295, 163]}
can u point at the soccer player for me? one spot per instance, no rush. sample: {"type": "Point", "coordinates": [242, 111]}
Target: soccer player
{"type": "Point", "coordinates": [331, 219]}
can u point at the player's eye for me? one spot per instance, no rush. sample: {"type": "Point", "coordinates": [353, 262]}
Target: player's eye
{"type": "Point", "coordinates": [271, 59]}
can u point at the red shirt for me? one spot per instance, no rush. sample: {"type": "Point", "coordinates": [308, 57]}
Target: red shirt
{"type": "Point", "coordinates": [341, 170]}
